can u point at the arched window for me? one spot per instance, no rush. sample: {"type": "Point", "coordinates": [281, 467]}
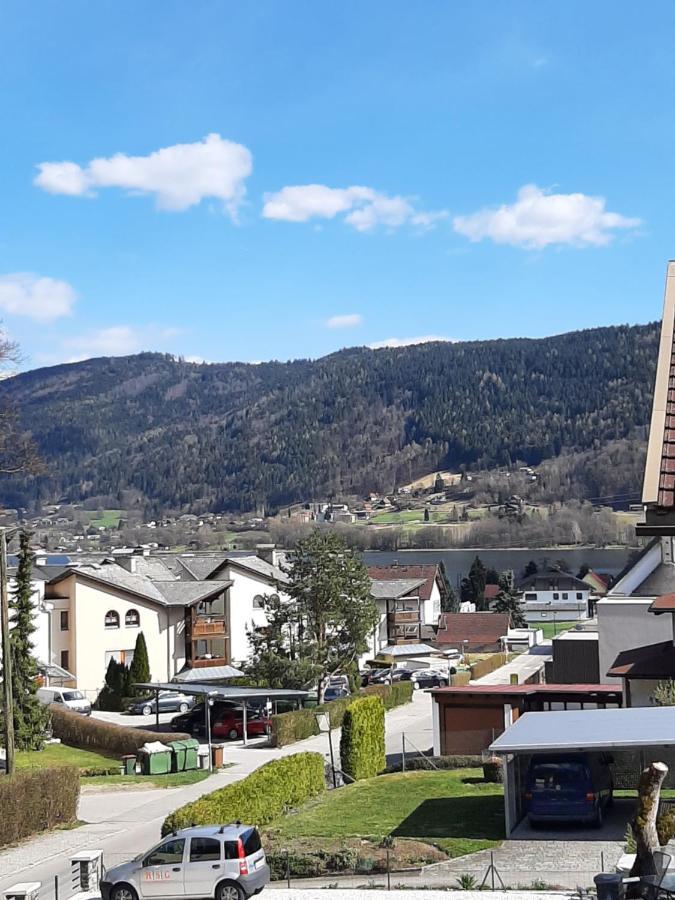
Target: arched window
{"type": "Point", "coordinates": [112, 619]}
{"type": "Point", "coordinates": [132, 619]}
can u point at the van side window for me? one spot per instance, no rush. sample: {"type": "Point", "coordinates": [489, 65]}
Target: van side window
{"type": "Point", "coordinates": [204, 850]}
{"type": "Point", "coordinates": [231, 850]}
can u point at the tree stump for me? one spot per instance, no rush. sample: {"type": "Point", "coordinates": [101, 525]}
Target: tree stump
{"type": "Point", "coordinates": [644, 821]}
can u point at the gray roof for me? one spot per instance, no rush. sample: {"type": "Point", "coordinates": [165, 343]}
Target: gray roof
{"type": "Point", "coordinates": [165, 593]}
{"type": "Point", "coordinates": [394, 588]}
{"type": "Point", "coordinates": [203, 568]}
{"type": "Point", "coordinates": [212, 673]}
{"type": "Point", "coordinates": [151, 566]}
{"type": "Point", "coordinates": [260, 567]}
{"type": "Point", "coordinates": [228, 693]}
{"type": "Point", "coordinates": [408, 650]}
{"type": "Point", "coordinates": [589, 729]}
{"type": "Point", "coordinates": [200, 567]}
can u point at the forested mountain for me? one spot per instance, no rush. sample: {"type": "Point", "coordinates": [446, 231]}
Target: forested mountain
{"type": "Point", "coordinates": [235, 436]}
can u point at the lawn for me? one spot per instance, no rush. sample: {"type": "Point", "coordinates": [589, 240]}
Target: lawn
{"type": "Point", "coordinates": [452, 809]}
{"type": "Point", "coordinates": [551, 629]}
{"type": "Point", "coordinates": [62, 755]}
{"type": "Point", "coordinates": [110, 518]}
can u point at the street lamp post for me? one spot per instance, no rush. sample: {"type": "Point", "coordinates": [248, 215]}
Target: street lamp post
{"type": "Point", "coordinates": [6, 654]}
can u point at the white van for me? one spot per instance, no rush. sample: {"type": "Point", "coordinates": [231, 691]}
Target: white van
{"type": "Point", "coordinates": [69, 697]}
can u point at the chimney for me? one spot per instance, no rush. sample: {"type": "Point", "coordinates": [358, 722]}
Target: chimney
{"type": "Point", "coordinates": [268, 552]}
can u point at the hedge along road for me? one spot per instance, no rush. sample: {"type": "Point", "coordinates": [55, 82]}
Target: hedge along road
{"type": "Point", "coordinates": [123, 823]}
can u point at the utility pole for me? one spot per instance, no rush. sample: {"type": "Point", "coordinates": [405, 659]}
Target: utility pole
{"type": "Point", "coordinates": [6, 658]}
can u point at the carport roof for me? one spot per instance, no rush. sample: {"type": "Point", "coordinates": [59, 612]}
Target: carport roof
{"type": "Point", "coordinates": [589, 729]}
{"type": "Point", "coordinates": [220, 692]}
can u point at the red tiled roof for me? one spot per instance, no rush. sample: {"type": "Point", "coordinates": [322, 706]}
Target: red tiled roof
{"type": "Point", "coordinates": [529, 689]}
{"type": "Point", "coordinates": [491, 591]}
{"type": "Point", "coordinates": [667, 470]}
{"type": "Point", "coordinates": [475, 628]}
{"type": "Point", "coordinates": [665, 603]}
{"type": "Point", "coordinates": [388, 573]}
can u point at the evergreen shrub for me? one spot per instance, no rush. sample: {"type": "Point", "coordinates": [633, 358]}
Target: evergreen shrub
{"type": "Point", "coordinates": [362, 752]}
{"type": "Point", "coordinates": [35, 800]}
{"type": "Point", "coordinates": [258, 799]}
{"type": "Point", "coordinates": [89, 733]}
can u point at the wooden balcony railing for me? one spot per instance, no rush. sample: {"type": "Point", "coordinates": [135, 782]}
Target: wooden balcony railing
{"type": "Point", "coordinates": [208, 663]}
{"type": "Point", "coordinates": [412, 617]}
{"type": "Point", "coordinates": [208, 626]}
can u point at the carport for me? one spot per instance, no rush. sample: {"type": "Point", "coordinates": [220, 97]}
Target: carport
{"type": "Point", "coordinates": [210, 692]}
{"type": "Point", "coordinates": [635, 736]}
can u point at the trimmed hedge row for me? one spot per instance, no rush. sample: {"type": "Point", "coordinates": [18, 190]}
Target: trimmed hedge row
{"type": "Point", "coordinates": [416, 763]}
{"type": "Point", "coordinates": [263, 796]}
{"type": "Point", "coordinates": [35, 800]}
{"type": "Point", "coordinates": [362, 752]}
{"type": "Point", "coordinates": [287, 728]}
{"type": "Point", "coordinates": [484, 666]}
{"type": "Point", "coordinates": [89, 733]}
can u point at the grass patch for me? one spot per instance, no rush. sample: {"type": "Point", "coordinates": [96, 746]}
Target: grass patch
{"type": "Point", "coordinates": [109, 518]}
{"type": "Point", "coordinates": [551, 629]}
{"type": "Point", "coordinates": [174, 779]}
{"type": "Point", "coordinates": [453, 809]}
{"type": "Point", "coordinates": [63, 755]}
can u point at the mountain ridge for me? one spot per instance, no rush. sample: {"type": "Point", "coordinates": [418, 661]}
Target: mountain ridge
{"type": "Point", "coordinates": [238, 436]}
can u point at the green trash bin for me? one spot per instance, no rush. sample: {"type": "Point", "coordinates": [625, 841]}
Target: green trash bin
{"type": "Point", "coordinates": [155, 759]}
{"type": "Point", "coordinates": [178, 753]}
{"type": "Point", "coordinates": [191, 753]}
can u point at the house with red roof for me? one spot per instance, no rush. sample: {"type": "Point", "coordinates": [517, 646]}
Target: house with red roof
{"type": "Point", "coordinates": [478, 632]}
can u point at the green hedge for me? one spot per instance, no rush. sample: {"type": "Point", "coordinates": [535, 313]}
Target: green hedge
{"type": "Point", "coordinates": [35, 800]}
{"type": "Point", "coordinates": [416, 763]}
{"type": "Point", "coordinates": [263, 796]}
{"type": "Point", "coordinates": [89, 733]}
{"type": "Point", "coordinates": [287, 728]}
{"type": "Point", "coordinates": [362, 752]}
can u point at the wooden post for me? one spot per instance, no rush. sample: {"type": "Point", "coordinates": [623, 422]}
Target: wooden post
{"type": "Point", "coordinates": [6, 658]}
{"type": "Point", "coordinates": [644, 821]}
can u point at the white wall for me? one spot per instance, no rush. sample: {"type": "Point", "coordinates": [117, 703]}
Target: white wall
{"type": "Point", "coordinates": [626, 623]}
{"type": "Point", "coordinates": [242, 613]}
{"type": "Point", "coordinates": [432, 606]}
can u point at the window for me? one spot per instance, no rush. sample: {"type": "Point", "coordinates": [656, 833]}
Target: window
{"type": "Point", "coordinates": [251, 841]}
{"type": "Point", "coordinates": [204, 850]}
{"type": "Point", "coordinates": [64, 620]}
{"type": "Point", "coordinates": [231, 850]}
{"type": "Point", "coordinates": [580, 596]}
{"type": "Point", "coordinates": [65, 660]}
{"type": "Point", "coordinates": [170, 852]}
{"type": "Point", "coordinates": [112, 619]}
{"type": "Point", "coordinates": [132, 619]}
{"type": "Point", "coordinates": [258, 602]}
{"type": "Point", "coordinates": [565, 596]}
{"type": "Point", "coordinates": [120, 656]}
{"type": "Point", "coordinates": [530, 596]}
{"type": "Point", "coordinates": [556, 596]}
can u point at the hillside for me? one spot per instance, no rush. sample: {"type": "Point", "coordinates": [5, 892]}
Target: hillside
{"type": "Point", "coordinates": [234, 436]}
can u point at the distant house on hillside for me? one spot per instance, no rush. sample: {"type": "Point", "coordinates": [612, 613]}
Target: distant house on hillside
{"type": "Point", "coordinates": [478, 632]}
{"type": "Point", "coordinates": [555, 596]}
{"type": "Point", "coordinates": [433, 592]}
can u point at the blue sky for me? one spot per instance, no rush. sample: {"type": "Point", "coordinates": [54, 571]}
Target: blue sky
{"type": "Point", "coordinates": [375, 171]}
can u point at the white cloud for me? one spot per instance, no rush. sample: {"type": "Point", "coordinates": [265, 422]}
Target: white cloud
{"type": "Point", "coordinates": [39, 298]}
{"type": "Point", "coordinates": [538, 219]}
{"type": "Point", "coordinates": [349, 320]}
{"type": "Point", "coordinates": [178, 176]}
{"type": "Point", "coordinates": [117, 340]}
{"type": "Point", "coordinates": [366, 207]}
{"type": "Point", "coordinates": [405, 342]}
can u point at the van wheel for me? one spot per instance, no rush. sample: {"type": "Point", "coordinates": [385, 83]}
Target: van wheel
{"type": "Point", "coordinates": [147, 710]}
{"type": "Point", "coordinates": [183, 708]}
{"type": "Point", "coordinates": [123, 892]}
{"type": "Point", "coordinates": [230, 890]}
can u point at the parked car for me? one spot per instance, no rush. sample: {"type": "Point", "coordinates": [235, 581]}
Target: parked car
{"type": "Point", "coordinates": [428, 678]}
{"type": "Point", "coordinates": [224, 862]}
{"type": "Point", "coordinates": [573, 787]}
{"type": "Point", "coordinates": [194, 721]}
{"type": "Point", "coordinates": [230, 724]}
{"type": "Point", "coordinates": [68, 697]}
{"type": "Point", "coordinates": [382, 676]}
{"type": "Point", "coordinates": [169, 701]}
{"type": "Point", "coordinates": [335, 692]}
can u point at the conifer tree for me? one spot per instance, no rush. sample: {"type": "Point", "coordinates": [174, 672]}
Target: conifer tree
{"type": "Point", "coordinates": [30, 716]}
{"type": "Point", "coordinates": [139, 671]}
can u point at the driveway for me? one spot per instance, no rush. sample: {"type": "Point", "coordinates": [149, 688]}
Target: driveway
{"type": "Point", "coordinates": [123, 823]}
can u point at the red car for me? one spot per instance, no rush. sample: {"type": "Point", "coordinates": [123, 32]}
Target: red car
{"type": "Point", "coordinates": [230, 724]}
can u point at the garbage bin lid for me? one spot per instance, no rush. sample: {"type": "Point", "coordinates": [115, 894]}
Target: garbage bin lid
{"type": "Point", "coordinates": [190, 743]}
{"type": "Point", "coordinates": [608, 878]}
{"type": "Point", "coordinates": [178, 745]}
{"type": "Point", "coordinates": [153, 747]}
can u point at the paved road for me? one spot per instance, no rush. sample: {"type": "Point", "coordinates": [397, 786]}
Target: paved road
{"type": "Point", "coordinates": [123, 823]}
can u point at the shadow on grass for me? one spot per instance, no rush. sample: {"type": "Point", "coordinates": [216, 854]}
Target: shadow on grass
{"type": "Point", "coordinates": [475, 780]}
{"type": "Point", "coordinates": [478, 818]}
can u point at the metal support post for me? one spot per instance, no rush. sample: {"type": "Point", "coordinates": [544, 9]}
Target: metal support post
{"type": "Point", "coordinates": [403, 752]}
{"type": "Point", "coordinates": [332, 758]}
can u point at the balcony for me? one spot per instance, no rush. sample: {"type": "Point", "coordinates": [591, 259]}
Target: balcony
{"type": "Point", "coordinates": [209, 626]}
{"type": "Point", "coordinates": [208, 663]}
{"type": "Point", "coordinates": [403, 618]}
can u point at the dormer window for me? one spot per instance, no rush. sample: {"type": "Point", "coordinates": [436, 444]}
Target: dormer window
{"type": "Point", "coordinates": [132, 619]}
{"type": "Point", "coordinates": [112, 619]}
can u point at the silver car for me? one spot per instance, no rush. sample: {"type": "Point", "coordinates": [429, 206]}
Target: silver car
{"type": "Point", "coordinates": [222, 862]}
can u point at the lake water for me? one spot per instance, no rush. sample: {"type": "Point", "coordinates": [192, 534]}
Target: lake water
{"type": "Point", "coordinates": [458, 562]}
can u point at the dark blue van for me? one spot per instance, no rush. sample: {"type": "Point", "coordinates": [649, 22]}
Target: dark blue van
{"type": "Point", "coordinates": [568, 787]}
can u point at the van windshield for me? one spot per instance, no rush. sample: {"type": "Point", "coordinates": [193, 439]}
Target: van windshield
{"type": "Point", "coordinates": [558, 775]}
{"type": "Point", "coordinates": [72, 695]}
